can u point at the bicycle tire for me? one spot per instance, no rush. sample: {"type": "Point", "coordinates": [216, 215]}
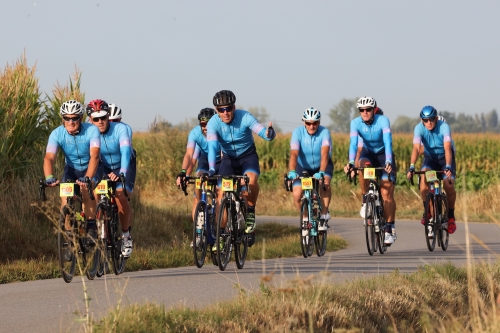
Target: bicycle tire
{"type": "Point", "coordinates": [101, 242]}
{"type": "Point", "coordinates": [241, 241]}
{"type": "Point", "coordinates": [65, 248]}
{"type": "Point", "coordinates": [430, 206]}
{"type": "Point", "coordinates": [306, 240]}
{"type": "Point", "coordinates": [91, 255]}
{"type": "Point", "coordinates": [224, 235]}
{"type": "Point", "coordinates": [200, 237]}
{"type": "Point", "coordinates": [382, 247]}
{"type": "Point", "coordinates": [369, 225]}
{"type": "Point", "coordinates": [116, 241]}
{"type": "Point", "coordinates": [443, 214]}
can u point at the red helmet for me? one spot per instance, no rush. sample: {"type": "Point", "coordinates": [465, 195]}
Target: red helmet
{"type": "Point", "coordinates": [97, 105]}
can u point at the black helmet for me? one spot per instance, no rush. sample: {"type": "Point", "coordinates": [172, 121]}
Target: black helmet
{"type": "Point", "coordinates": [224, 97]}
{"type": "Point", "coordinates": [206, 113]}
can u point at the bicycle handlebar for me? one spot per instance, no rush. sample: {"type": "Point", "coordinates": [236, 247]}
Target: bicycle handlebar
{"type": "Point", "coordinates": [42, 185]}
{"type": "Point", "coordinates": [355, 169]}
{"type": "Point", "coordinates": [423, 173]}
{"type": "Point", "coordinates": [288, 182]}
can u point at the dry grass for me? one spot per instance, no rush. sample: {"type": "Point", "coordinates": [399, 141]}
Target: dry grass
{"type": "Point", "coordinates": [435, 299]}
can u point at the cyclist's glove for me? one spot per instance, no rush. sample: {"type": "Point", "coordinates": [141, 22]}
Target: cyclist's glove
{"type": "Point", "coordinates": [411, 169]}
{"type": "Point", "coordinates": [50, 181]}
{"type": "Point", "coordinates": [211, 172]}
{"type": "Point", "coordinates": [82, 179]}
{"type": "Point", "coordinates": [271, 133]}
{"type": "Point", "coordinates": [319, 175]}
{"type": "Point", "coordinates": [292, 174]}
{"type": "Point", "coordinates": [447, 168]}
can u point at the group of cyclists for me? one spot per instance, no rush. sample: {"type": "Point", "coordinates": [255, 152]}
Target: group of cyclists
{"type": "Point", "coordinates": [223, 144]}
{"type": "Point", "coordinates": [92, 150]}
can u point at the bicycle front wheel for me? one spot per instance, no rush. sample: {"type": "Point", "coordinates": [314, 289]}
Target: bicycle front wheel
{"type": "Point", "coordinates": [241, 250]}
{"type": "Point", "coordinates": [430, 222]}
{"type": "Point", "coordinates": [306, 240]}
{"type": "Point", "coordinates": [443, 215]}
{"type": "Point", "coordinates": [199, 235]}
{"type": "Point", "coordinates": [116, 241]}
{"type": "Point", "coordinates": [369, 225]}
{"type": "Point", "coordinates": [223, 239]}
{"type": "Point", "coordinates": [66, 247]}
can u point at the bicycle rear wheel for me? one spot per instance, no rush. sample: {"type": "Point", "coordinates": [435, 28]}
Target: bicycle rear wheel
{"type": "Point", "coordinates": [223, 239]}
{"type": "Point", "coordinates": [369, 225]}
{"type": "Point", "coordinates": [199, 235]}
{"type": "Point", "coordinates": [430, 226]}
{"type": "Point", "coordinates": [116, 241]}
{"type": "Point", "coordinates": [66, 247]}
{"type": "Point", "coordinates": [443, 215]}
{"type": "Point", "coordinates": [306, 240]}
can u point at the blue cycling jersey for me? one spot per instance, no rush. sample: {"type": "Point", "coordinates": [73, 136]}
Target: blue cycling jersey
{"type": "Point", "coordinates": [236, 139]}
{"type": "Point", "coordinates": [76, 148]}
{"type": "Point", "coordinates": [433, 141]}
{"type": "Point", "coordinates": [115, 147]}
{"type": "Point", "coordinates": [309, 146]}
{"type": "Point", "coordinates": [376, 137]}
{"type": "Point", "coordinates": [197, 140]}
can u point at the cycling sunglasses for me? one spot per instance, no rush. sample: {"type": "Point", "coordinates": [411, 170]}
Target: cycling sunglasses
{"type": "Point", "coordinates": [71, 119]}
{"type": "Point", "coordinates": [429, 119]}
{"type": "Point", "coordinates": [96, 119]}
{"type": "Point", "coordinates": [227, 109]}
{"type": "Point", "coordinates": [365, 110]}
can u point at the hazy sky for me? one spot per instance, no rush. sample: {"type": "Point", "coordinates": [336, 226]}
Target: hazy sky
{"type": "Point", "coordinates": [169, 58]}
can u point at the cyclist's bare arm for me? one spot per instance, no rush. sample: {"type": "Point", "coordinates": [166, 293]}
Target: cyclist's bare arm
{"type": "Point", "coordinates": [48, 166]}
{"type": "Point", "coordinates": [294, 155]}
{"type": "Point", "coordinates": [325, 155]}
{"type": "Point", "coordinates": [414, 156]}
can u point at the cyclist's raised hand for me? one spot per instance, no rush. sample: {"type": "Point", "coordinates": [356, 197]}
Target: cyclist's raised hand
{"type": "Point", "coordinates": [411, 171]}
{"type": "Point", "coordinates": [292, 174]}
{"type": "Point", "coordinates": [270, 133]}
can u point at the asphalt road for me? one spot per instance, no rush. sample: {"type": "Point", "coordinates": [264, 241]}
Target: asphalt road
{"type": "Point", "coordinates": [55, 306]}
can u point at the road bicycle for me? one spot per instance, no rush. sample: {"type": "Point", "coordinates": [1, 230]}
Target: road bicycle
{"type": "Point", "coordinates": [204, 218]}
{"type": "Point", "coordinates": [109, 238]}
{"type": "Point", "coordinates": [374, 221]}
{"type": "Point", "coordinates": [232, 214]}
{"type": "Point", "coordinates": [310, 213]}
{"type": "Point", "coordinates": [436, 210]}
{"type": "Point", "coordinates": [73, 245]}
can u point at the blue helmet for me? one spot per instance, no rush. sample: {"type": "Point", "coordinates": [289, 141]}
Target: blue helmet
{"type": "Point", "coordinates": [428, 112]}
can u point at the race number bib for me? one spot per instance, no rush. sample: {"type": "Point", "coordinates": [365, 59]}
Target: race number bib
{"type": "Point", "coordinates": [102, 187]}
{"type": "Point", "coordinates": [227, 185]}
{"type": "Point", "coordinates": [369, 173]}
{"type": "Point", "coordinates": [66, 189]}
{"type": "Point", "coordinates": [431, 176]}
{"type": "Point", "coordinates": [307, 183]}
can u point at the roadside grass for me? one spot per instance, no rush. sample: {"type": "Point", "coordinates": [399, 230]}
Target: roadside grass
{"type": "Point", "coordinates": [437, 298]}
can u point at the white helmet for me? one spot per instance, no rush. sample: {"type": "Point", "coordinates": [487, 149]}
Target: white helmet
{"type": "Point", "coordinates": [442, 119]}
{"type": "Point", "coordinates": [71, 107]}
{"type": "Point", "coordinates": [366, 102]}
{"type": "Point", "coordinates": [311, 114]}
{"type": "Point", "coordinates": [114, 112]}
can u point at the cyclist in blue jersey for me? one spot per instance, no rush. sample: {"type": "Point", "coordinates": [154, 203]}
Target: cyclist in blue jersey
{"type": "Point", "coordinates": [197, 149]}
{"type": "Point", "coordinates": [311, 151]}
{"type": "Point", "coordinates": [80, 144]}
{"type": "Point", "coordinates": [116, 152]}
{"type": "Point", "coordinates": [233, 129]}
{"type": "Point", "coordinates": [435, 136]}
{"type": "Point", "coordinates": [375, 130]}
